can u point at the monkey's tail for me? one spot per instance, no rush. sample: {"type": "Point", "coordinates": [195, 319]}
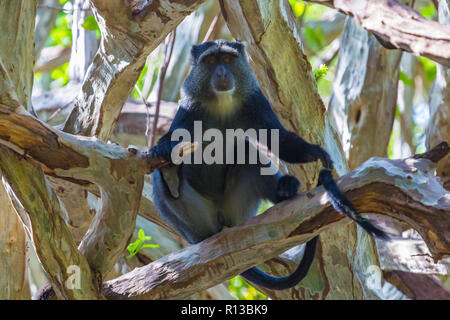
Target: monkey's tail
{"type": "Point", "coordinates": [341, 204]}
{"type": "Point", "coordinates": [260, 278]}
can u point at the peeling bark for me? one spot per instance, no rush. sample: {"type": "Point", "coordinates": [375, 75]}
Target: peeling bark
{"type": "Point", "coordinates": [398, 26]}
{"type": "Point", "coordinates": [130, 31]}
{"type": "Point", "coordinates": [43, 219]}
{"type": "Point", "coordinates": [362, 107]}
{"type": "Point", "coordinates": [418, 286]}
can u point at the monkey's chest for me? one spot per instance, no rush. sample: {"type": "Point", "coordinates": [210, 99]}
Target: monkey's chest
{"type": "Point", "coordinates": [208, 180]}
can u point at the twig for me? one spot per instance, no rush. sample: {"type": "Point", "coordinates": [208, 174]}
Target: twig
{"type": "Point", "coordinates": [167, 55]}
{"type": "Point", "coordinates": [436, 153]}
{"type": "Point", "coordinates": [60, 8]}
{"type": "Point", "coordinates": [147, 112]}
{"type": "Point", "coordinates": [301, 18]}
{"type": "Point", "coordinates": [213, 26]}
{"type": "Point", "coordinates": [57, 111]}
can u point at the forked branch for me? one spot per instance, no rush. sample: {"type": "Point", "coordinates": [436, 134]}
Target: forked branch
{"type": "Point", "coordinates": [406, 190]}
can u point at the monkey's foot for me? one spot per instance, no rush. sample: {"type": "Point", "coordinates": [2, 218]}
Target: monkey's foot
{"type": "Point", "coordinates": [287, 187]}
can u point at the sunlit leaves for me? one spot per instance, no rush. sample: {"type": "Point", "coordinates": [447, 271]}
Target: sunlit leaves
{"type": "Point", "coordinates": [406, 80]}
{"type": "Point", "coordinates": [430, 68]}
{"type": "Point", "coordinates": [298, 7]}
{"type": "Point", "coordinates": [320, 71]}
{"type": "Point", "coordinates": [241, 290]}
{"type": "Point", "coordinates": [90, 23]}
{"type": "Point", "coordinates": [61, 74]}
{"type": "Point", "coordinates": [61, 34]}
{"type": "Point", "coordinates": [428, 11]}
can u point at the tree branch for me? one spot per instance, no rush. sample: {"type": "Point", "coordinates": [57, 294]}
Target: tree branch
{"type": "Point", "coordinates": [398, 27]}
{"type": "Point", "coordinates": [405, 190]}
{"type": "Point", "coordinates": [130, 31]}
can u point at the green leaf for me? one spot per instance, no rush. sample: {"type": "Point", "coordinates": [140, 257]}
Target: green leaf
{"type": "Point", "coordinates": [314, 37]}
{"type": "Point", "coordinates": [141, 234]}
{"type": "Point", "coordinates": [430, 68]}
{"type": "Point", "coordinates": [150, 246]}
{"type": "Point", "coordinates": [134, 247]}
{"type": "Point", "coordinates": [320, 71]}
{"type": "Point", "coordinates": [90, 23]}
{"type": "Point", "coordinates": [297, 6]}
{"type": "Point", "coordinates": [406, 80]}
{"type": "Point", "coordinates": [428, 11]}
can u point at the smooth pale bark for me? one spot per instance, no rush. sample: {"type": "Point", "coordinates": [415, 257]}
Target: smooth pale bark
{"type": "Point", "coordinates": [363, 104]}
{"type": "Point", "coordinates": [405, 102]}
{"type": "Point", "coordinates": [439, 128]}
{"type": "Point", "coordinates": [16, 55]}
{"type": "Point", "coordinates": [362, 107]}
{"type": "Point", "coordinates": [130, 30]}
{"type": "Point", "coordinates": [13, 259]}
{"type": "Point", "coordinates": [52, 57]}
{"type": "Point", "coordinates": [331, 24]}
{"type": "Point", "coordinates": [398, 26]}
{"type": "Point", "coordinates": [45, 20]}
{"type": "Point", "coordinates": [84, 42]}
{"type": "Point", "coordinates": [362, 110]}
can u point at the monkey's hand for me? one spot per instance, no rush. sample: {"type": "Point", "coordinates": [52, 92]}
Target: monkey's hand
{"type": "Point", "coordinates": [162, 150]}
{"type": "Point", "coordinates": [324, 157]}
{"type": "Point", "coordinates": [287, 187]}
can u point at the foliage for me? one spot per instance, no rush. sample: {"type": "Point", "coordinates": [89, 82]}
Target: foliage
{"type": "Point", "coordinates": [320, 71]}
{"type": "Point", "coordinates": [134, 247]}
{"type": "Point", "coordinates": [429, 67]}
{"type": "Point", "coordinates": [241, 290]}
{"type": "Point", "coordinates": [428, 11]}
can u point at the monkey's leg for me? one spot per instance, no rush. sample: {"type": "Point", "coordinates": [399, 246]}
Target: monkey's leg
{"type": "Point", "coordinates": [246, 187]}
{"type": "Point", "coordinates": [193, 216]}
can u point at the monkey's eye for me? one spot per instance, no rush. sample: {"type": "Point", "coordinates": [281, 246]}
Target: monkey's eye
{"type": "Point", "coordinates": [226, 59]}
{"type": "Point", "coordinates": [210, 60]}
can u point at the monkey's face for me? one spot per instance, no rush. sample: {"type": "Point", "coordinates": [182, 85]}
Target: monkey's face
{"type": "Point", "coordinates": [220, 66]}
{"type": "Point", "coordinates": [220, 76]}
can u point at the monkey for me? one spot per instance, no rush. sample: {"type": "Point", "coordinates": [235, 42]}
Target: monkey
{"type": "Point", "coordinates": [199, 199]}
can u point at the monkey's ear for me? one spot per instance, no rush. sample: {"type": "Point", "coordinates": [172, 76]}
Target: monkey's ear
{"type": "Point", "coordinates": [196, 51]}
{"type": "Point", "coordinates": [241, 45]}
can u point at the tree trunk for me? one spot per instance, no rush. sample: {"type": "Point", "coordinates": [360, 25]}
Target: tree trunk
{"type": "Point", "coordinates": [439, 128]}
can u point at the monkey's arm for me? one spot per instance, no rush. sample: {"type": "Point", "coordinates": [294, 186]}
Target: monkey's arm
{"type": "Point", "coordinates": [184, 119]}
{"type": "Point", "coordinates": [292, 148]}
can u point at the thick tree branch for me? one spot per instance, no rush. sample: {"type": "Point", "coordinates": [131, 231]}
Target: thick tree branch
{"type": "Point", "coordinates": [405, 190]}
{"type": "Point", "coordinates": [46, 226]}
{"type": "Point", "coordinates": [130, 31]}
{"type": "Point", "coordinates": [398, 26]}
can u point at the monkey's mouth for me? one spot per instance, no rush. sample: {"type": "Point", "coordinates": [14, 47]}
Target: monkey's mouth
{"type": "Point", "coordinates": [223, 86]}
